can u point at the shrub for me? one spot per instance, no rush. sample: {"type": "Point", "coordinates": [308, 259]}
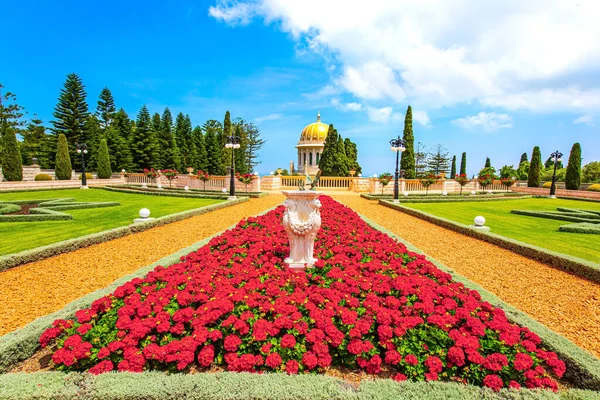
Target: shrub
{"type": "Point", "coordinates": [594, 188]}
{"type": "Point", "coordinates": [573, 175]}
{"type": "Point", "coordinates": [104, 171]}
{"type": "Point", "coordinates": [12, 168]}
{"type": "Point", "coordinates": [42, 177]}
{"type": "Point", "coordinates": [63, 169]}
{"type": "Point", "coordinates": [88, 176]}
{"type": "Point", "coordinates": [547, 185]}
{"type": "Point", "coordinates": [591, 172]}
{"type": "Point", "coordinates": [535, 168]}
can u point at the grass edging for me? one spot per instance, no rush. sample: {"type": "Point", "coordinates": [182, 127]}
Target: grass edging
{"type": "Point", "coordinates": [232, 385]}
{"type": "Point", "coordinates": [40, 253]}
{"type": "Point", "coordinates": [578, 266]}
{"type": "Point", "coordinates": [582, 367]}
{"type": "Point", "coordinates": [180, 192]}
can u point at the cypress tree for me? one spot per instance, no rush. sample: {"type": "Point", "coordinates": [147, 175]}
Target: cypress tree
{"type": "Point", "coordinates": [407, 161]}
{"type": "Point", "coordinates": [573, 176]}
{"type": "Point", "coordinates": [342, 168]}
{"type": "Point", "coordinates": [453, 168]}
{"type": "Point", "coordinates": [463, 164]}
{"type": "Point", "coordinates": [202, 163]}
{"type": "Point", "coordinates": [352, 154]}
{"type": "Point", "coordinates": [240, 159]}
{"type": "Point", "coordinates": [169, 151]}
{"type": "Point", "coordinates": [71, 113]}
{"type": "Point", "coordinates": [105, 110]}
{"type": "Point", "coordinates": [327, 163]}
{"type": "Point", "coordinates": [144, 148]}
{"type": "Point", "coordinates": [523, 158]}
{"type": "Point", "coordinates": [104, 170]}
{"type": "Point", "coordinates": [225, 153]}
{"type": "Point", "coordinates": [535, 169]}
{"type": "Point", "coordinates": [12, 168]}
{"type": "Point", "coordinates": [63, 169]}
{"type": "Point", "coordinates": [488, 164]}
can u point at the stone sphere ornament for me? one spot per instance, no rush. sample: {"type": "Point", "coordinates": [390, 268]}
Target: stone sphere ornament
{"type": "Point", "coordinates": [473, 193]}
{"type": "Point", "coordinates": [405, 194]}
{"type": "Point", "coordinates": [144, 213]}
{"type": "Point", "coordinates": [444, 193]}
{"type": "Point", "coordinates": [186, 188]}
{"type": "Point", "coordinates": [479, 221]}
{"type": "Point", "coordinates": [159, 186]}
{"type": "Point", "coordinates": [224, 190]}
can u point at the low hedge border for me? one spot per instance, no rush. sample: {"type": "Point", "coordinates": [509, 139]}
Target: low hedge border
{"type": "Point", "coordinates": [231, 385]}
{"type": "Point", "coordinates": [375, 196]}
{"type": "Point", "coordinates": [157, 192]}
{"type": "Point", "coordinates": [50, 209]}
{"type": "Point", "coordinates": [22, 343]}
{"type": "Point", "coordinates": [578, 266]}
{"type": "Point", "coordinates": [455, 199]}
{"type": "Point", "coordinates": [557, 215]}
{"type": "Point", "coordinates": [176, 190]}
{"type": "Point", "coordinates": [40, 253]}
{"type": "Point", "coordinates": [583, 368]}
{"type": "Point", "coordinates": [582, 227]}
{"type": "Point", "coordinates": [570, 198]}
{"type": "Point", "coordinates": [7, 208]}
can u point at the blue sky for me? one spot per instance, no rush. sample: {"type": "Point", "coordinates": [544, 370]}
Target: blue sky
{"type": "Point", "coordinates": [492, 82]}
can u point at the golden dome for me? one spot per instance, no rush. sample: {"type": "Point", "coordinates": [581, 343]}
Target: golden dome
{"type": "Point", "coordinates": [315, 132]}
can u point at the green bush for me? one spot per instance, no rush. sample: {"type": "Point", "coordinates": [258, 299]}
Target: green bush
{"type": "Point", "coordinates": [590, 173]}
{"type": "Point", "coordinates": [573, 175]}
{"type": "Point", "coordinates": [63, 169]}
{"type": "Point", "coordinates": [104, 171]}
{"type": "Point", "coordinates": [88, 176]}
{"type": "Point", "coordinates": [12, 169]}
{"type": "Point", "coordinates": [535, 168]}
{"type": "Point", "coordinates": [594, 188]}
{"type": "Point", "coordinates": [42, 177]}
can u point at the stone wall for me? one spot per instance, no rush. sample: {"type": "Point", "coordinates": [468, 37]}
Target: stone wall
{"type": "Point", "coordinates": [559, 192]}
{"type": "Point", "coordinates": [30, 171]}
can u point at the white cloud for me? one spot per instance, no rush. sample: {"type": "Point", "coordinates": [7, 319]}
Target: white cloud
{"type": "Point", "coordinates": [421, 117]}
{"type": "Point", "coordinates": [382, 115]}
{"type": "Point", "coordinates": [347, 106]}
{"type": "Point", "coordinates": [509, 54]}
{"type": "Point", "coordinates": [325, 91]}
{"type": "Point", "coordinates": [488, 122]}
{"type": "Point", "coordinates": [270, 117]}
{"type": "Point", "coordinates": [585, 119]}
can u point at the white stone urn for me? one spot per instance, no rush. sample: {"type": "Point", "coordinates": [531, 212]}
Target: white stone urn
{"type": "Point", "coordinates": [301, 221]}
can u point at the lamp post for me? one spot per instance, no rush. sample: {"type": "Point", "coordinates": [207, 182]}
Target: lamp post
{"type": "Point", "coordinates": [557, 158]}
{"type": "Point", "coordinates": [397, 145]}
{"type": "Point", "coordinates": [82, 149]}
{"type": "Point", "coordinates": [233, 142]}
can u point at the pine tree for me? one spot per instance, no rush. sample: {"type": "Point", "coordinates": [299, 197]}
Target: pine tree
{"type": "Point", "coordinates": [63, 169]}
{"type": "Point", "coordinates": [453, 168]}
{"type": "Point", "coordinates": [573, 176]}
{"type": "Point", "coordinates": [33, 140]}
{"type": "Point", "coordinates": [71, 113]}
{"type": "Point", "coordinates": [105, 110]}
{"type": "Point", "coordinates": [202, 163]}
{"type": "Point", "coordinates": [143, 144]}
{"type": "Point", "coordinates": [169, 151]}
{"type": "Point", "coordinates": [407, 161]}
{"type": "Point", "coordinates": [92, 135]}
{"type": "Point", "coordinates": [523, 158]}
{"type": "Point", "coordinates": [488, 163]}
{"type": "Point", "coordinates": [352, 155]}
{"type": "Point", "coordinates": [182, 139]}
{"type": "Point", "coordinates": [254, 142]}
{"type": "Point", "coordinates": [191, 145]}
{"type": "Point", "coordinates": [104, 170]}
{"type": "Point", "coordinates": [420, 160]}
{"type": "Point", "coordinates": [438, 161]}
{"type": "Point", "coordinates": [535, 168]}
{"type": "Point", "coordinates": [117, 139]}
{"type": "Point", "coordinates": [463, 164]}
{"type": "Point", "coordinates": [10, 112]}
{"type": "Point", "coordinates": [212, 140]}
{"type": "Point", "coordinates": [327, 163]}
{"type": "Point", "coordinates": [12, 168]}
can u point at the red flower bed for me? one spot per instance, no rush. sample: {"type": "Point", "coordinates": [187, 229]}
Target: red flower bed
{"type": "Point", "coordinates": [368, 304]}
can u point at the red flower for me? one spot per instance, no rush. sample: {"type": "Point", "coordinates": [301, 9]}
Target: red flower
{"type": "Point", "coordinates": [206, 356]}
{"type": "Point", "coordinates": [309, 360]}
{"type": "Point", "coordinates": [494, 382]}
{"type": "Point", "coordinates": [456, 356]}
{"type": "Point", "coordinates": [522, 362]}
{"type": "Point", "coordinates": [273, 360]}
{"type": "Point", "coordinates": [495, 362]}
{"type": "Point", "coordinates": [411, 359]}
{"type": "Point", "coordinates": [232, 342]}
{"type": "Point", "coordinates": [291, 367]}
{"type": "Point", "coordinates": [288, 341]}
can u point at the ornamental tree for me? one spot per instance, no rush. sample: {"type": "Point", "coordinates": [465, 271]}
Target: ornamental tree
{"type": "Point", "coordinates": [12, 168]}
{"type": "Point", "coordinates": [453, 168]}
{"type": "Point", "coordinates": [385, 179]}
{"type": "Point", "coordinates": [203, 176]}
{"type": "Point", "coordinates": [463, 164]}
{"type": "Point", "coordinates": [462, 180]}
{"type": "Point", "coordinates": [591, 172]}
{"type": "Point", "coordinates": [171, 175]}
{"type": "Point", "coordinates": [105, 110]}
{"type": "Point", "coordinates": [246, 179]}
{"type": "Point", "coordinates": [104, 171]}
{"type": "Point", "coordinates": [63, 169]}
{"type": "Point", "coordinates": [407, 161]}
{"type": "Point", "coordinates": [429, 180]}
{"type": "Point", "coordinates": [485, 180]}
{"type": "Point", "coordinates": [535, 168]}
{"type": "Point", "coordinates": [573, 176]}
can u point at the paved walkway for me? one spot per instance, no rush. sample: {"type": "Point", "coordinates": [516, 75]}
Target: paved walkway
{"type": "Point", "coordinates": [39, 288]}
{"type": "Point", "coordinates": [563, 302]}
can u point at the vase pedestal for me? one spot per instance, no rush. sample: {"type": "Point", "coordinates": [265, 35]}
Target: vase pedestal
{"type": "Point", "coordinates": [301, 221]}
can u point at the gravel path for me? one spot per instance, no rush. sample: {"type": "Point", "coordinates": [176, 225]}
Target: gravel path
{"type": "Point", "coordinates": [563, 302]}
{"type": "Point", "coordinates": [39, 288]}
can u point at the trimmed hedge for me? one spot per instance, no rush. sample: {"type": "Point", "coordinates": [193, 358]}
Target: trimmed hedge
{"type": "Point", "coordinates": [572, 215]}
{"type": "Point", "coordinates": [49, 209]}
{"type": "Point", "coordinates": [176, 190]}
{"type": "Point", "coordinates": [594, 188]}
{"type": "Point", "coordinates": [42, 177]}
{"type": "Point", "coordinates": [158, 192]}
{"type": "Point", "coordinates": [228, 385]}
{"type": "Point", "coordinates": [7, 208]}
{"type": "Point", "coordinates": [22, 343]}
{"type": "Point", "coordinates": [582, 367]}
{"type": "Point", "coordinates": [449, 199]}
{"type": "Point", "coordinates": [583, 268]}
{"type": "Point", "coordinates": [582, 227]}
{"type": "Point", "coordinates": [40, 253]}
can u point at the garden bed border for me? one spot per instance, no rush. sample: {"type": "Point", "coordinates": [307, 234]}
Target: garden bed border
{"type": "Point", "coordinates": [446, 199]}
{"type": "Point", "coordinates": [22, 343]}
{"type": "Point", "coordinates": [578, 266]}
{"type": "Point", "coordinates": [180, 192]}
{"type": "Point", "coordinates": [39, 253]}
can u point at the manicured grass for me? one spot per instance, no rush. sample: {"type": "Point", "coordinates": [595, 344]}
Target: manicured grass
{"type": "Point", "coordinates": [19, 236]}
{"type": "Point", "coordinates": [541, 232]}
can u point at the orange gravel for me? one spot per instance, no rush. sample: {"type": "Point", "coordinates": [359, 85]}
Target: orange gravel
{"type": "Point", "coordinates": [563, 302]}
{"type": "Point", "coordinates": [39, 288]}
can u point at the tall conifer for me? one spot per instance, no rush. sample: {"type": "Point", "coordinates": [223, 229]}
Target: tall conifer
{"type": "Point", "coordinates": [169, 151]}
{"type": "Point", "coordinates": [143, 144]}
{"type": "Point", "coordinates": [327, 163]}
{"type": "Point", "coordinates": [118, 139]}
{"type": "Point", "coordinates": [105, 110]}
{"type": "Point", "coordinates": [573, 176]}
{"type": "Point", "coordinates": [535, 168]}
{"type": "Point", "coordinates": [104, 170]}
{"type": "Point", "coordinates": [63, 169]}
{"type": "Point", "coordinates": [523, 158]}
{"type": "Point", "coordinates": [12, 168]}
{"type": "Point", "coordinates": [407, 162]}
{"type": "Point", "coordinates": [202, 163]}
{"type": "Point", "coordinates": [453, 168]}
{"type": "Point", "coordinates": [463, 164]}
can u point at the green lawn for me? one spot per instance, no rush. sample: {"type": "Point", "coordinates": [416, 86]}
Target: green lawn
{"type": "Point", "coordinates": [537, 231]}
{"type": "Point", "coordinates": [19, 236]}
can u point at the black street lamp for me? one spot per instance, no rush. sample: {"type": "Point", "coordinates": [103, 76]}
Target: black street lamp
{"type": "Point", "coordinates": [398, 147]}
{"type": "Point", "coordinates": [82, 149]}
{"type": "Point", "coordinates": [233, 142]}
{"type": "Point", "coordinates": [556, 155]}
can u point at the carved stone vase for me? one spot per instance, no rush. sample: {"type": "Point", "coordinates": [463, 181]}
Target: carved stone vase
{"type": "Point", "coordinates": [301, 221]}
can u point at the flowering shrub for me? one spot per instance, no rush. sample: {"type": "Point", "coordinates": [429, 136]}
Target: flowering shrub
{"type": "Point", "coordinates": [151, 173]}
{"type": "Point", "coordinates": [508, 182]}
{"type": "Point", "coordinates": [203, 176]}
{"type": "Point", "coordinates": [385, 179]}
{"type": "Point", "coordinates": [367, 304]}
{"type": "Point", "coordinates": [245, 179]}
{"type": "Point", "coordinates": [429, 180]}
{"type": "Point", "coordinates": [170, 174]}
{"type": "Point", "coordinates": [485, 180]}
{"type": "Point", "coordinates": [462, 180]}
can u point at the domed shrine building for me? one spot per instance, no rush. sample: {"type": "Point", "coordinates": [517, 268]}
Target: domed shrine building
{"type": "Point", "coordinates": [310, 146]}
